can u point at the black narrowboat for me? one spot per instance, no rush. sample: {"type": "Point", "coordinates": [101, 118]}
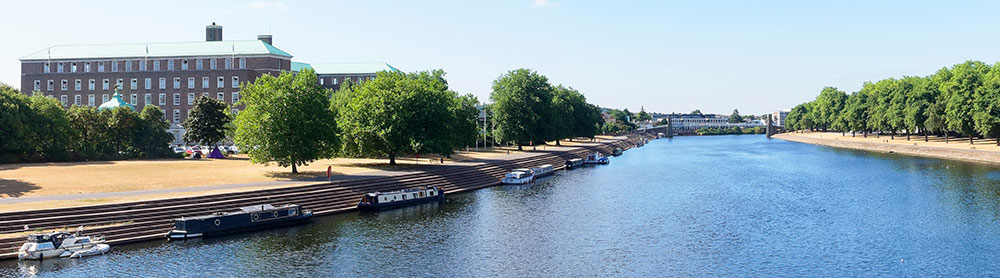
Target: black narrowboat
{"type": "Point", "coordinates": [573, 163]}
{"type": "Point", "coordinates": [247, 219]}
{"type": "Point", "coordinates": [377, 201]}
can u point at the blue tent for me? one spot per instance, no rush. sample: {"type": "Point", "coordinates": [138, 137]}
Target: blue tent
{"type": "Point", "coordinates": [216, 153]}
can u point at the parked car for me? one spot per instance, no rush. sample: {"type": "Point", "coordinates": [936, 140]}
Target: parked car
{"type": "Point", "coordinates": [229, 149]}
{"type": "Point", "coordinates": [179, 149]}
{"type": "Point", "coordinates": [193, 149]}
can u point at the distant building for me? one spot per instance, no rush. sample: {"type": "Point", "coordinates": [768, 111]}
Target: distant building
{"type": "Point", "coordinates": [696, 121]}
{"type": "Point", "coordinates": [332, 75]}
{"type": "Point", "coordinates": [779, 117]}
{"type": "Point", "coordinates": [169, 75]}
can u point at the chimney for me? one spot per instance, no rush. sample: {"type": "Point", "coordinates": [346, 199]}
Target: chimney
{"type": "Point", "coordinates": [265, 38]}
{"type": "Point", "coordinates": [213, 33]}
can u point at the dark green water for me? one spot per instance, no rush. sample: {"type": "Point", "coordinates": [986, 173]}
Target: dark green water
{"type": "Point", "coordinates": [690, 206]}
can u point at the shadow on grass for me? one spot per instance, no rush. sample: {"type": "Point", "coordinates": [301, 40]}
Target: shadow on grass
{"type": "Point", "coordinates": [15, 188]}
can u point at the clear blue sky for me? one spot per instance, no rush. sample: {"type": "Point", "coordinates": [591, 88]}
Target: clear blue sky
{"type": "Point", "coordinates": [667, 56]}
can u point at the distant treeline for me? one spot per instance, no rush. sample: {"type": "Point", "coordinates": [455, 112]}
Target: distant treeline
{"type": "Point", "coordinates": [730, 130]}
{"type": "Point", "coordinates": [37, 129]}
{"type": "Point", "coordinates": [963, 99]}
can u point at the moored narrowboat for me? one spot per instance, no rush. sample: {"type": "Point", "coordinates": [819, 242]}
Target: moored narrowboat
{"type": "Point", "coordinates": [519, 176]}
{"type": "Point", "coordinates": [247, 219]}
{"type": "Point", "coordinates": [542, 171]}
{"type": "Point", "coordinates": [573, 163]}
{"type": "Point", "coordinates": [377, 201]}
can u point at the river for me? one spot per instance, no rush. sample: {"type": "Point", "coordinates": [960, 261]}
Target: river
{"type": "Point", "coordinates": [689, 206]}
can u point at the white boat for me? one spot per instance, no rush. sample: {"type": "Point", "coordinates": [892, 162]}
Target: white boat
{"type": "Point", "coordinates": [519, 176]}
{"type": "Point", "coordinates": [596, 158]}
{"type": "Point", "coordinates": [57, 244]}
{"type": "Point", "coordinates": [98, 249]}
{"type": "Point", "coordinates": [542, 171]}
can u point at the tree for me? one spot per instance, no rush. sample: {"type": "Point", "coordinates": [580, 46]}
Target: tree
{"type": "Point", "coordinates": [152, 139]}
{"type": "Point", "coordinates": [522, 107]}
{"type": "Point", "coordinates": [50, 129]}
{"type": "Point", "coordinates": [563, 105]}
{"type": "Point", "coordinates": [399, 113]}
{"type": "Point", "coordinates": [829, 103]}
{"type": "Point", "coordinates": [643, 115]}
{"type": "Point", "coordinates": [91, 138]}
{"type": "Point", "coordinates": [123, 127]}
{"type": "Point", "coordinates": [286, 120]}
{"type": "Point", "coordinates": [697, 112]}
{"type": "Point", "coordinates": [735, 117]}
{"type": "Point", "coordinates": [798, 118]}
{"type": "Point", "coordinates": [588, 119]}
{"type": "Point", "coordinates": [965, 79]}
{"type": "Point", "coordinates": [208, 121]}
{"type": "Point", "coordinates": [919, 98]}
{"type": "Point", "coordinates": [986, 104]}
{"type": "Point", "coordinates": [855, 113]}
{"type": "Point", "coordinates": [16, 125]}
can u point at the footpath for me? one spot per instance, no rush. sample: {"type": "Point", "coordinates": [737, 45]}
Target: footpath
{"type": "Point", "coordinates": [984, 151]}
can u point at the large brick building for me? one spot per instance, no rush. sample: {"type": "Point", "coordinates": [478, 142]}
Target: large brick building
{"type": "Point", "coordinates": [168, 75]}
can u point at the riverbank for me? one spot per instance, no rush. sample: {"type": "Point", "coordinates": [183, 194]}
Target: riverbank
{"type": "Point", "coordinates": [149, 220]}
{"type": "Point", "coordinates": [984, 151]}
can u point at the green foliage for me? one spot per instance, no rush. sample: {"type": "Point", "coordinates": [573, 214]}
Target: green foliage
{"type": "Point", "coordinates": [208, 122]}
{"type": "Point", "coordinates": [398, 114]}
{"type": "Point", "coordinates": [959, 91]}
{"type": "Point", "coordinates": [643, 115]}
{"type": "Point", "coordinates": [286, 120]}
{"type": "Point", "coordinates": [697, 112]}
{"type": "Point", "coordinates": [735, 117]}
{"type": "Point", "coordinates": [986, 104]}
{"type": "Point", "coordinates": [828, 104]}
{"type": "Point", "coordinates": [800, 117]}
{"type": "Point", "coordinates": [152, 138]}
{"type": "Point", "coordinates": [522, 107]}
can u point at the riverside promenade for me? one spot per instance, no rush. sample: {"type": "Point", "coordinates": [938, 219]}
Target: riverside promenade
{"type": "Point", "coordinates": [150, 220]}
{"type": "Point", "coordinates": [983, 150]}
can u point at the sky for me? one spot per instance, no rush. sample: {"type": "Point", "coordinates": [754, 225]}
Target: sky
{"type": "Point", "coordinates": [663, 56]}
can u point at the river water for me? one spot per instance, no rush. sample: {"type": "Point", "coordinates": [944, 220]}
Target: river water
{"type": "Point", "coordinates": [689, 206]}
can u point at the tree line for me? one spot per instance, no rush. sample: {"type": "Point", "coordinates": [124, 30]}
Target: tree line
{"type": "Point", "coordinates": [963, 100]}
{"type": "Point", "coordinates": [291, 120]}
{"type": "Point", "coordinates": [37, 128]}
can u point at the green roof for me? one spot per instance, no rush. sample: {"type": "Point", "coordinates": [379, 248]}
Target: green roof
{"type": "Point", "coordinates": [171, 49]}
{"type": "Point", "coordinates": [344, 68]}
{"type": "Point", "coordinates": [115, 101]}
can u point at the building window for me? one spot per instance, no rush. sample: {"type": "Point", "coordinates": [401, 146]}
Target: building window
{"type": "Point", "coordinates": [198, 65]}
{"type": "Point", "coordinates": [51, 85]}
{"type": "Point", "coordinates": [90, 100]}
{"type": "Point", "coordinates": [65, 85]}
{"type": "Point", "coordinates": [148, 99]}
{"type": "Point", "coordinates": [59, 67]}
{"type": "Point", "coordinates": [149, 83]}
{"type": "Point", "coordinates": [47, 69]}
{"type": "Point", "coordinates": [76, 99]}
{"type": "Point", "coordinates": [212, 64]}
{"type": "Point", "coordinates": [38, 85]}
{"type": "Point", "coordinates": [86, 67]}
{"type": "Point", "coordinates": [100, 66]}
{"type": "Point", "coordinates": [104, 98]}
{"type": "Point", "coordinates": [114, 66]}
{"type": "Point", "coordinates": [72, 67]}
{"type": "Point", "coordinates": [77, 85]}
{"type": "Point", "coordinates": [156, 65]}
{"type": "Point", "coordinates": [243, 63]}
{"type": "Point", "coordinates": [142, 64]}
{"type": "Point", "coordinates": [321, 81]}
{"type": "Point", "coordinates": [135, 84]}
{"type": "Point", "coordinates": [229, 63]}
{"type": "Point", "coordinates": [106, 84]}
{"type": "Point", "coordinates": [62, 99]}
{"type": "Point", "coordinates": [236, 97]}
{"type": "Point", "coordinates": [91, 85]}
{"type": "Point", "coordinates": [128, 65]}
{"type": "Point", "coordinates": [120, 84]}
{"type": "Point", "coordinates": [170, 64]}
{"type": "Point", "coordinates": [220, 96]}
{"type": "Point", "coordinates": [163, 83]}
{"type": "Point", "coordinates": [163, 99]}
{"type": "Point", "coordinates": [204, 82]}
{"type": "Point", "coordinates": [334, 80]}
{"type": "Point", "coordinates": [190, 98]}
{"type": "Point", "coordinates": [236, 81]}
{"type": "Point", "coordinates": [177, 82]}
{"type": "Point", "coordinates": [134, 99]}
{"type": "Point", "coordinates": [177, 115]}
{"type": "Point", "coordinates": [221, 83]}
{"type": "Point", "coordinates": [177, 99]}
{"type": "Point", "coordinates": [190, 82]}
{"type": "Point", "coordinates": [184, 64]}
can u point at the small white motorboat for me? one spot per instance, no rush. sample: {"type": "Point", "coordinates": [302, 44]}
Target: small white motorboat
{"type": "Point", "coordinates": [98, 249]}
{"type": "Point", "coordinates": [56, 244]}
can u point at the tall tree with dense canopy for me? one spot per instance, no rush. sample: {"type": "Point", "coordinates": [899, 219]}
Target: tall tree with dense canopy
{"type": "Point", "coordinates": [828, 104]}
{"type": "Point", "coordinates": [855, 112]}
{"type": "Point", "coordinates": [287, 120]}
{"type": "Point", "coordinates": [153, 140]}
{"type": "Point", "coordinates": [735, 117]}
{"type": "Point", "coordinates": [208, 122]}
{"type": "Point", "coordinates": [923, 92]}
{"type": "Point", "coordinates": [965, 79]}
{"type": "Point", "coordinates": [522, 107]}
{"type": "Point", "coordinates": [398, 114]}
{"type": "Point", "coordinates": [986, 102]}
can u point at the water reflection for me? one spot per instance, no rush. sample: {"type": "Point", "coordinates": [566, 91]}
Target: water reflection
{"type": "Point", "coordinates": [690, 206]}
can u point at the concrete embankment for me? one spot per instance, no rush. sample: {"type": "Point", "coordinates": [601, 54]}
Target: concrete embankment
{"type": "Point", "coordinates": [899, 148]}
{"type": "Point", "coordinates": [150, 220]}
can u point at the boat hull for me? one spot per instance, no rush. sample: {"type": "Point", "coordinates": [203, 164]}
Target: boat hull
{"type": "Point", "coordinates": [238, 223]}
{"type": "Point", "coordinates": [399, 204]}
